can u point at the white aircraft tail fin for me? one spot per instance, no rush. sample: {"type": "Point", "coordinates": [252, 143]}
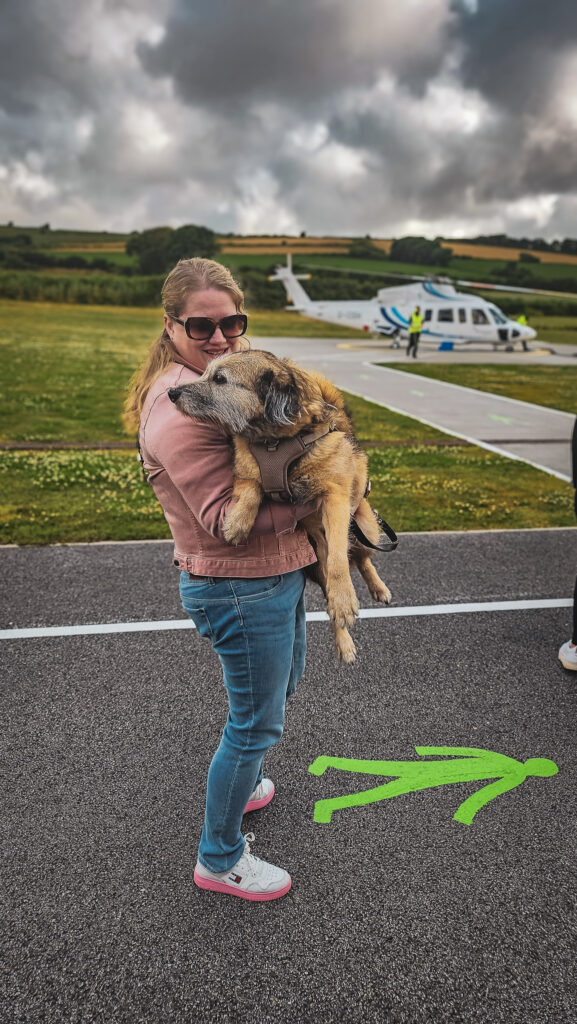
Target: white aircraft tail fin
{"type": "Point", "coordinates": [294, 290]}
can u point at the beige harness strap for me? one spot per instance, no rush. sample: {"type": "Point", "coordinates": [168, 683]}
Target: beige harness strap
{"type": "Point", "coordinates": [275, 456]}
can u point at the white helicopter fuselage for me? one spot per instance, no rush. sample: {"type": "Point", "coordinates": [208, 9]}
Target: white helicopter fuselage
{"type": "Point", "coordinates": [448, 315]}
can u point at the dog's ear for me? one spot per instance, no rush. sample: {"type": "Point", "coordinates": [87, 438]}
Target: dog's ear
{"type": "Point", "coordinates": [279, 398]}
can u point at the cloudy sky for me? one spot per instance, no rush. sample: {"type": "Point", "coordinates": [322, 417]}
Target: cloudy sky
{"type": "Point", "coordinates": [449, 117]}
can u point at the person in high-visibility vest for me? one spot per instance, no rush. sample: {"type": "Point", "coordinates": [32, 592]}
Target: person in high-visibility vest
{"type": "Point", "coordinates": [522, 320]}
{"type": "Point", "coordinates": [415, 328]}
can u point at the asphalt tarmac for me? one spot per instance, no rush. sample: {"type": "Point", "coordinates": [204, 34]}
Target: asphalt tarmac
{"type": "Point", "coordinates": [398, 914]}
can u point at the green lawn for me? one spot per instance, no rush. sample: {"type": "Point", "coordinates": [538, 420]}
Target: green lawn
{"type": "Point", "coordinates": [65, 370]}
{"type": "Point", "coordinates": [66, 496]}
{"type": "Point", "coordinates": [552, 386]}
{"type": "Point", "coordinates": [87, 355]}
{"type": "Point", "coordinates": [555, 330]}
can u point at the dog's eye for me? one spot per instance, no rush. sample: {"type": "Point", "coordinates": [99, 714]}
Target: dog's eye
{"type": "Point", "coordinates": [219, 378]}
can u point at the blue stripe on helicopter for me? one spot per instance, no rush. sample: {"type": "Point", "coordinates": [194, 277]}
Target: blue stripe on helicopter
{"type": "Point", "coordinates": [390, 319]}
{"type": "Point", "coordinates": [433, 291]}
{"type": "Point", "coordinates": [400, 316]}
{"type": "Point", "coordinates": [405, 323]}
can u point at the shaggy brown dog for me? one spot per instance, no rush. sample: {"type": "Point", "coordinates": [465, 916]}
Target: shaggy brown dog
{"type": "Point", "coordinates": [258, 397]}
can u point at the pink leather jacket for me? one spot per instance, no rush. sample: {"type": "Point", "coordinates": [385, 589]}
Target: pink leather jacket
{"type": "Point", "coordinates": [189, 466]}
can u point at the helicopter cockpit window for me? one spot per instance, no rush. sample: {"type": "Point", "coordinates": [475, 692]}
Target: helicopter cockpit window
{"type": "Point", "coordinates": [497, 315]}
{"type": "Point", "coordinates": [445, 316]}
{"type": "Point", "coordinates": [462, 316]}
{"type": "Point", "coordinates": [428, 315]}
{"type": "Point", "coordinates": [480, 317]}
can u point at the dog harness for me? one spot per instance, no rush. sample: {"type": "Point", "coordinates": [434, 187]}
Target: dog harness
{"type": "Point", "coordinates": [276, 455]}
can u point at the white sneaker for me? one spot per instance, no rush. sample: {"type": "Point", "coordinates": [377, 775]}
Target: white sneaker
{"type": "Point", "coordinates": [250, 878]}
{"type": "Point", "coordinates": [261, 796]}
{"type": "Point", "coordinates": [568, 656]}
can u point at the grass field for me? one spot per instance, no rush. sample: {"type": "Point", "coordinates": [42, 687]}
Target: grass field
{"type": "Point", "coordinates": [65, 367]}
{"type": "Point", "coordinates": [65, 370]}
{"type": "Point", "coordinates": [552, 386]}
{"type": "Point", "coordinates": [556, 330]}
{"type": "Point", "coordinates": [465, 269]}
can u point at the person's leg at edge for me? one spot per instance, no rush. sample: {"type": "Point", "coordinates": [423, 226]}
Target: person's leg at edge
{"type": "Point", "coordinates": [568, 651]}
{"type": "Point", "coordinates": [257, 675]}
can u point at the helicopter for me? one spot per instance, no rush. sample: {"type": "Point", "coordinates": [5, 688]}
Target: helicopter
{"type": "Point", "coordinates": [449, 317]}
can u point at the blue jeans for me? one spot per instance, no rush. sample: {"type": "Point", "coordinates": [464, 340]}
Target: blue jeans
{"type": "Point", "coordinates": [257, 628]}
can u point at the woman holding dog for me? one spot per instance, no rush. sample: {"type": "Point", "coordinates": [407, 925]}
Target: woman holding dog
{"type": "Point", "coordinates": [247, 600]}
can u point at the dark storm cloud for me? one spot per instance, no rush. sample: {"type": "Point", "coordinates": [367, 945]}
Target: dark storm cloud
{"type": "Point", "coordinates": [512, 47]}
{"type": "Point", "coordinates": [223, 52]}
{"type": "Point", "coordinates": [324, 115]}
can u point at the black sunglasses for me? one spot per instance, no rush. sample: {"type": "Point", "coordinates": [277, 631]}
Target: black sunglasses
{"type": "Point", "coordinates": [201, 328]}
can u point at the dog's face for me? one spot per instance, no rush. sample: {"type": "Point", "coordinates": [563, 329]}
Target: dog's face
{"type": "Point", "coordinates": [253, 394]}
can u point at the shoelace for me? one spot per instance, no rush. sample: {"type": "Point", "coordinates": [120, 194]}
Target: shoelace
{"type": "Point", "coordinates": [251, 859]}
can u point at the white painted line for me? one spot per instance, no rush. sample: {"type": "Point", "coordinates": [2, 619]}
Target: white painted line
{"type": "Point", "coordinates": [465, 437]}
{"type": "Point", "coordinates": [93, 629]}
{"type": "Point", "coordinates": [478, 391]}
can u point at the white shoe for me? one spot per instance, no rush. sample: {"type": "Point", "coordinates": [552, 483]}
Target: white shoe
{"type": "Point", "coordinates": [250, 878]}
{"type": "Point", "coordinates": [261, 796]}
{"type": "Point", "coordinates": [568, 656]}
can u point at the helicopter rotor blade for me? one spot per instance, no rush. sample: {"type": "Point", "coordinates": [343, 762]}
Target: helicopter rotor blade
{"type": "Point", "coordinates": [443, 279]}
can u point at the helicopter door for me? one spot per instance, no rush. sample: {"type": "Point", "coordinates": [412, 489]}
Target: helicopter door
{"type": "Point", "coordinates": [445, 321]}
{"type": "Point", "coordinates": [482, 326]}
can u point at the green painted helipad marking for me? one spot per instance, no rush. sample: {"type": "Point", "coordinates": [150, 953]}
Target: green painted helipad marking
{"type": "Point", "coordinates": [467, 764]}
{"type": "Point", "coordinates": [500, 419]}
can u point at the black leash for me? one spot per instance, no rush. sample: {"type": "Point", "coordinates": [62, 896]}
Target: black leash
{"type": "Point", "coordinates": [355, 528]}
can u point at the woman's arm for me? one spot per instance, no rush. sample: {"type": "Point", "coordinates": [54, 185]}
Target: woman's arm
{"type": "Point", "coordinates": [198, 458]}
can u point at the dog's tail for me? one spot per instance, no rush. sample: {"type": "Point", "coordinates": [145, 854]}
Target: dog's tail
{"type": "Point", "coordinates": [295, 291]}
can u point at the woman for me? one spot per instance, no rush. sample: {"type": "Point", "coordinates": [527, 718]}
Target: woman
{"type": "Point", "coordinates": [247, 600]}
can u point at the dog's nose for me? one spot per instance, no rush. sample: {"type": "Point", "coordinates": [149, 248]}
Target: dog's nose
{"type": "Point", "coordinates": [174, 394]}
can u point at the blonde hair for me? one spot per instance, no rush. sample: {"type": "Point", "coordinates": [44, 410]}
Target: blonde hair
{"type": "Point", "coordinates": [188, 276]}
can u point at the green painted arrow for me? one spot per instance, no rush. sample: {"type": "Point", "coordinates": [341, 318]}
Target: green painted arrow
{"type": "Point", "coordinates": [467, 764]}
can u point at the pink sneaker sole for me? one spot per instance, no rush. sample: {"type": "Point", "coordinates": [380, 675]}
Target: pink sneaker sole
{"type": "Point", "coordinates": [256, 897]}
{"type": "Point", "coordinates": [255, 805]}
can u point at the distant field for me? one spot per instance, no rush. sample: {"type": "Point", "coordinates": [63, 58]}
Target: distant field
{"type": "Point", "coordinates": [469, 270]}
{"type": "Point", "coordinates": [501, 252]}
{"type": "Point", "coordinates": [324, 243]}
{"type": "Point", "coordinates": [42, 239]}
{"type": "Point", "coordinates": [115, 255]}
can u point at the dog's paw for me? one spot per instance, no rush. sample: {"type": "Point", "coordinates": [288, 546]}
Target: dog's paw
{"type": "Point", "coordinates": [343, 609]}
{"type": "Point", "coordinates": [346, 649]}
{"type": "Point", "coordinates": [234, 530]}
{"type": "Point", "coordinates": [380, 592]}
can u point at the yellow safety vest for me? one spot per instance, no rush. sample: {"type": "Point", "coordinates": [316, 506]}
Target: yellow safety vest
{"type": "Point", "coordinates": [416, 324]}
